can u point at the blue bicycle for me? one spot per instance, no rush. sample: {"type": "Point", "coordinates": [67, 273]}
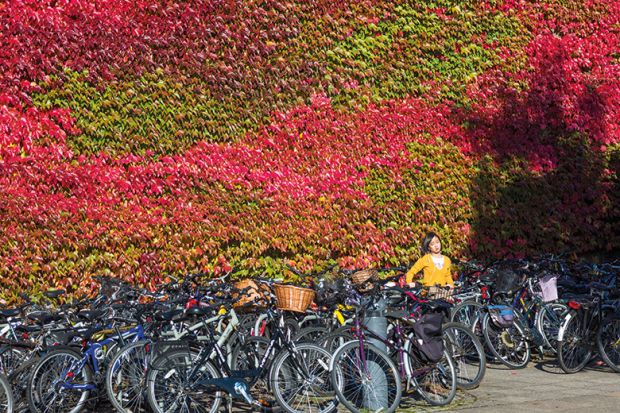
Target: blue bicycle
{"type": "Point", "coordinates": [66, 377]}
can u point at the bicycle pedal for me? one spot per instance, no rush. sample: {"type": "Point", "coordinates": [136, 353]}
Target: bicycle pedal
{"type": "Point", "coordinates": [265, 403]}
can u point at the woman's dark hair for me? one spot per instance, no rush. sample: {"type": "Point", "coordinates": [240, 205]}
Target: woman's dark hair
{"type": "Point", "coordinates": [427, 240]}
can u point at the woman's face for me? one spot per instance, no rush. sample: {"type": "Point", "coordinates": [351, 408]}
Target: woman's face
{"type": "Point", "coordinates": [435, 246]}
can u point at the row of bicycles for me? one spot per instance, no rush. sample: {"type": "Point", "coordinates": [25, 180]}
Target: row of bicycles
{"type": "Point", "coordinates": [357, 339]}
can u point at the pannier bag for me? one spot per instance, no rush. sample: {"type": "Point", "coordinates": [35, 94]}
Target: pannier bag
{"type": "Point", "coordinates": [507, 281]}
{"type": "Point", "coordinates": [428, 336]}
{"type": "Point", "coordinates": [502, 315]}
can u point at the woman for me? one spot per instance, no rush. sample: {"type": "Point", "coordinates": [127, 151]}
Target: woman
{"type": "Point", "coordinates": [435, 267]}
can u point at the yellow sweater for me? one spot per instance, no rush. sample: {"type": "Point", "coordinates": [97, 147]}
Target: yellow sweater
{"type": "Point", "coordinates": [432, 275]}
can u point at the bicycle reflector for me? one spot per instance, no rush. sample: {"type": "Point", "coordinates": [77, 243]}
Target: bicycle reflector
{"type": "Point", "coordinates": [485, 292]}
{"type": "Point", "coordinates": [574, 305]}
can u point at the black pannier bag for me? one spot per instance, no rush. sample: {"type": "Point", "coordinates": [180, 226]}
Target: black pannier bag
{"type": "Point", "coordinates": [507, 281]}
{"type": "Point", "coordinates": [428, 336]}
{"type": "Point", "coordinates": [329, 292]}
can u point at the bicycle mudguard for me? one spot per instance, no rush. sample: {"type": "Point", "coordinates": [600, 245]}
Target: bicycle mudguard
{"type": "Point", "coordinates": [562, 329]}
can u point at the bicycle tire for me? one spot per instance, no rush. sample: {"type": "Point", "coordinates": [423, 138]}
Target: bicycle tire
{"type": "Point", "coordinates": [572, 356]}
{"type": "Point", "coordinates": [126, 377]}
{"type": "Point", "coordinates": [505, 342]}
{"type": "Point", "coordinates": [6, 395]}
{"type": "Point", "coordinates": [355, 391]}
{"type": "Point", "coordinates": [47, 371]}
{"type": "Point", "coordinates": [467, 313]}
{"type": "Point", "coordinates": [468, 355]}
{"type": "Point", "coordinates": [548, 321]}
{"type": "Point", "coordinates": [437, 386]}
{"type": "Point", "coordinates": [167, 376]}
{"type": "Point", "coordinates": [608, 343]}
{"type": "Point", "coordinates": [16, 363]}
{"type": "Point", "coordinates": [303, 374]}
{"type": "Point", "coordinates": [337, 338]}
{"type": "Point", "coordinates": [311, 335]}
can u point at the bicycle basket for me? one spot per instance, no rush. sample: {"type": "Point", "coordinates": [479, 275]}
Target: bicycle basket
{"type": "Point", "coordinates": [254, 293]}
{"type": "Point", "coordinates": [436, 292]}
{"type": "Point", "coordinates": [549, 287]}
{"type": "Point", "coordinates": [292, 298]}
{"type": "Point", "coordinates": [501, 315]}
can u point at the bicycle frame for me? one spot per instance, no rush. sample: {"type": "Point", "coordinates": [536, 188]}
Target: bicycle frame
{"type": "Point", "coordinates": [90, 357]}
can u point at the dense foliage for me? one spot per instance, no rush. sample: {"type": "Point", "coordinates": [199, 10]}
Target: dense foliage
{"type": "Point", "coordinates": [140, 138]}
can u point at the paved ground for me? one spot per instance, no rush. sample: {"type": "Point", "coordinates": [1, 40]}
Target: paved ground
{"type": "Point", "coordinates": [541, 387]}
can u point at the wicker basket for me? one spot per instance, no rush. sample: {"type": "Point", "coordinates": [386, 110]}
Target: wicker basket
{"type": "Point", "coordinates": [289, 297]}
{"type": "Point", "coordinates": [362, 276]}
{"type": "Point", "coordinates": [436, 292]}
{"type": "Point", "coordinates": [255, 292]}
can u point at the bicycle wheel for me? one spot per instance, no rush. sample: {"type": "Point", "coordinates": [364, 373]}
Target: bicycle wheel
{"type": "Point", "coordinates": [509, 345]}
{"type": "Point", "coordinates": [335, 339]}
{"type": "Point", "coordinates": [368, 380]}
{"type": "Point", "coordinates": [548, 321]}
{"type": "Point", "coordinates": [47, 389]}
{"type": "Point", "coordinates": [300, 380]}
{"type": "Point", "coordinates": [311, 335]}
{"type": "Point", "coordinates": [467, 353]}
{"type": "Point", "coordinates": [437, 383]}
{"type": "Point", "coordinates": [170, 388]}
{"type": "Point", "coordinates": [574, 349]}
{"type": "Point", "coordinates": [126, 377]}
{"type": "Point", "coordinates": [467, 312]}
{"type": "Point", "coordinates": [247, 356]}
{"type": "Point", "coordinates": [16, 363]}
{"type": "Point", "coordinates": [608, 343]}
{"type": "Point", "coordinates": [6, 395]}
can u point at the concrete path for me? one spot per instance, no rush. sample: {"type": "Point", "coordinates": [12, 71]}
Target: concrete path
{"type": "Point", "coordinates": [540, 387]}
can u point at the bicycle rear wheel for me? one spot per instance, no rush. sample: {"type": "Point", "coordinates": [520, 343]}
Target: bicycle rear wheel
{"type": "Point", "coordinates": [126, 377]}
{"type": "Point", "coordinates": [467, 353]}
{"type": "Point", "coordinates": [170, 388]}
{"type": "Point", "coordinates": [468, 313]}
{"type": "Point", "coordinates": [6, 396]}
{"type": "Point", "coordinates": [369, 379]}
{"type": "Point", "coordinates": [574, 349]}
{"type": "Point", "coordinates": [300, 380]}
{"type": "Point", "coordinates": [509, 345]}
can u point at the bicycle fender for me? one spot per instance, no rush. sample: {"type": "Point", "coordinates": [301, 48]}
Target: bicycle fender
{"type": "Point", "coordinates": [562, 329]}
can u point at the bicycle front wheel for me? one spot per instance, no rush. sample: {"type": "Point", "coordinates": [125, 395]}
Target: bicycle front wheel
{"type": "Point", "coordinates": [300, 380]}
{"type": "Point", "coordinates": [52, 386]}
{"type": "Point", "coordinates": [436, 383]}
{"type": "Point", "coordinates": [467, 353]}
{"type": "Point", "coordinates": [548, 321]}
{"type": "Point", "coordinates": [365, 379]}
{"type": "Point", "coordinates": [608, 342]}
